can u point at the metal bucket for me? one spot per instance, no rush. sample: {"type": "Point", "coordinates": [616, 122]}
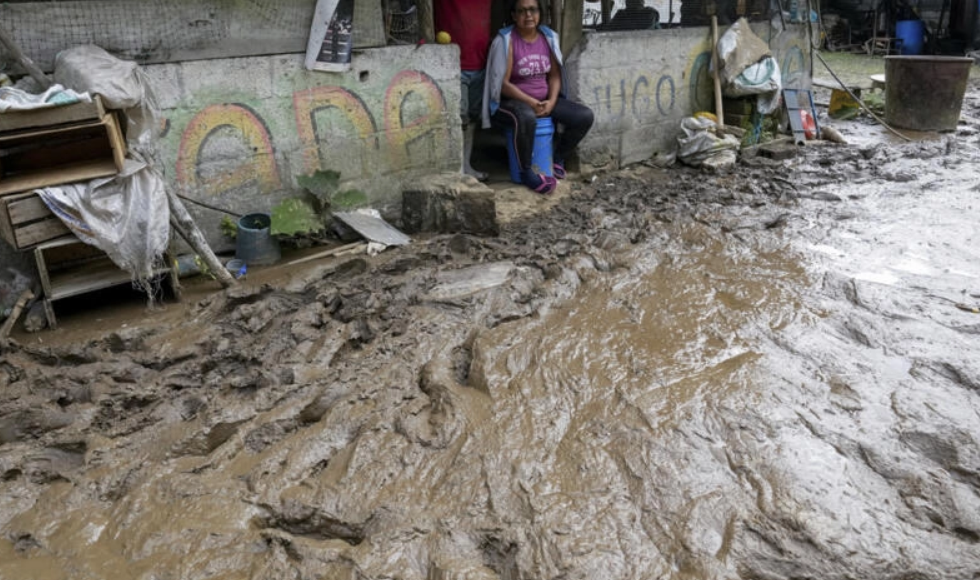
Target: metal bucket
{"type": "Point", "coordinates": [254, 242]}
{"type": "Point", "coordinates": [925, 93]}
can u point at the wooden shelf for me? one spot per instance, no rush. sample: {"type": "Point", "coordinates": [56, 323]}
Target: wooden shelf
{"type": "Point", "coordinates": [60, 175]}
{"type": "Point", "coordinates": [59, 154]}
{"type": "Point", "coordinates": [88, 276]}
{"type": "Point", "coordinates": [49, 116]}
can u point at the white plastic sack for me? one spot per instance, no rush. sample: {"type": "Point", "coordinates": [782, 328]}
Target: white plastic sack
{"type": "Point", "coordinates": [748, 67]}
{"type": "Point", "coordinates": [738, 49]}
{"type": "Point", "coordinates": [699, 143]}
{"type": "Point", "coordinates": [120, 83]}
{"type": "Point", "coordinates": [15, 99]}
{"type": "Point", "coordinates": [762, 79]}
{"type": "Point", "coordinates": [126, 216]}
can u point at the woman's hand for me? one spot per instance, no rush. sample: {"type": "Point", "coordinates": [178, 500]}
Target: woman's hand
{"type": "Point", "coordinates": [542, 108]}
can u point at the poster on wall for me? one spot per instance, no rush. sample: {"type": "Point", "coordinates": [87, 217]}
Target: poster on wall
{"type": "Point", "coordinates": [331, 38]}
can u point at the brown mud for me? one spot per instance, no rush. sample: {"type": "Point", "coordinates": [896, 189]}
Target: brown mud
{"type": "Point", "coordinates": [662, 373]}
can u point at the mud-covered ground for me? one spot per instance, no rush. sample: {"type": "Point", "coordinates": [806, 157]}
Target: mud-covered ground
{"type": "Point", "coordinates": [662, 373]}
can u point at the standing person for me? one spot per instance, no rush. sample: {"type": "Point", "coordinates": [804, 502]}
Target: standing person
{"type": "Point", "coordinates": [526, 80]}
{"type": "Point", "coordinates": [468, 24]}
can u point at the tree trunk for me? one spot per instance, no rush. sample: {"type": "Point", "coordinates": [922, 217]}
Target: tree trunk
{"type": "Point", "coordinates": [192, 235]}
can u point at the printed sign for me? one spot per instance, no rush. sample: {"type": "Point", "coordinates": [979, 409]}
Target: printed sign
{"type": "Point", "coordinates": [331, 38]}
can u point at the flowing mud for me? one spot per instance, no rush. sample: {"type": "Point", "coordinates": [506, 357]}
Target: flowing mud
{"type": "Point", "coordinates": [768, 374]}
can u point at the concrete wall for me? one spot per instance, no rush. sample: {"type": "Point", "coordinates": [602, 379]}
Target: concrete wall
{"type": "Point", "coordinates": [239, 132]}
{"type": "Point", "coordinates": [641, 84]}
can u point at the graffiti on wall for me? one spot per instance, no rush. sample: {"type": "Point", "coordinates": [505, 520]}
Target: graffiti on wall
{"type": "Point", "coordinates": [333, 125]}
{"type": "Point", "coordinates": [645, 95]}
{"type": "Point", "coordinates": [250, 130]}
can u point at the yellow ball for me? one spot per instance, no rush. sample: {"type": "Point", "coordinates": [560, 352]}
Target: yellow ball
{"type": "Point", "coordinates": [443, 37]}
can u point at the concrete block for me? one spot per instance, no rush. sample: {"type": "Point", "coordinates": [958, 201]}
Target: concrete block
{"type": "Point", "coordinates": [778, 151]}
{"type": "Point", "coordinates": [449, 203]}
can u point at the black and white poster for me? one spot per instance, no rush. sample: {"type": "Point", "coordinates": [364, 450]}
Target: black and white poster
{"type": "Point", "coordinates": [331, 38]}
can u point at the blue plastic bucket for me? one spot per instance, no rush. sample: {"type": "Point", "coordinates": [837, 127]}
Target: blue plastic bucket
{"type": "Point", "coordinates": [254, 243]}
{"type": "Point", "coordinates": [912, 34]}
{"type": "Point", "coordinates": [541, 158]}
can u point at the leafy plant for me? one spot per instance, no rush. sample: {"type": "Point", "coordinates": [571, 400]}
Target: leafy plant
{"type": "Point", "coordinates": [228, 227]}
{"type": "Point", "coordinates": [322, 184]}
{"type": "Point", "coordinates": [295, 216]}
{"type": "Point", "coordinates": [325, 186]}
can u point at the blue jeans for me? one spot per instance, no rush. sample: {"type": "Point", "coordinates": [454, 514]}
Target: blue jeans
{"type": "Point", "coordinates": [572, 122]}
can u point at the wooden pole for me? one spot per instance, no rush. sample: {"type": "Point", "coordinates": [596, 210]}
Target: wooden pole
{"type": "Point", "coordinates": [184, 224]}
{"type": "Point", "coordinates": [8, 325]}
{"type": "Point", "coordinates": [340, 251]}
{"type": "Point", "coordinates": [715, 63]}
{"type": "Point", "coordinates": [28, 64]}
{"type": "Point", "coordinates": [571, 24]}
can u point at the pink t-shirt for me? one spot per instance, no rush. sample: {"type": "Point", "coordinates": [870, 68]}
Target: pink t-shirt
{"type": "Point", "coordinates": [532, 62]}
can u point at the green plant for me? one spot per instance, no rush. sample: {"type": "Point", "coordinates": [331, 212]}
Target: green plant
{"type": "Point", "coordinates": [295, 216]}
{"type": "Point", "coordinates": [203, 267]}
{"type": "Point", "coordinates": [322, 184]}
{"type": "Point", "coordinates": [228, 227]}
{"type": "Point", "coordinates": [875, 101]}
{"type": "Point", "coordinates": [325, 186]}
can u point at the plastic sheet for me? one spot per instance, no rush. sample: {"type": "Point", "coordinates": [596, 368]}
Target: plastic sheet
{"type": "Point", "coordinates": [699, 144]}
{"type": "Point", "coordinates": [121, 84]}
{"type": "Point", "coordinates": [126, 216]}
{"type": "Point", "coordinates": [748, 67]}
{"type": "Point", "coordinates": [15, 99]}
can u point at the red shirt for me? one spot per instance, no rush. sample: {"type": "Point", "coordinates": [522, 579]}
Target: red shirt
{"type": "Point", "coordinates": [468, 24]}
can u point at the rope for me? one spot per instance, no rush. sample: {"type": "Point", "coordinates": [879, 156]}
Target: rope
{"type": "Point", "coordinates": [855, 97]}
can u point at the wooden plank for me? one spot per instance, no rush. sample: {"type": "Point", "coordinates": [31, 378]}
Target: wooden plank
{"type": "Point", "coordinates": [73, 113]}
{"type": "Point", "coordinates": [41, 231]}
{"type": "Point", "coordinates": [61, 175]}
{"type": "Point", "coordinates": [94, 275]}
{"type": "Point", "coordinates": [571, 24]}
{"type": "Point", "coordinates": [43, 156]}
{"type": "Point", "coordinates": [26, 207]}
{"type": "Point", "coordinates": [28, 135]}
{"type": "Point", "coordinates": [116, 140]}
{"type": "Point", "coordinates": [8, 325]}
{"type": "Point", "coordinates": [7, 231]}
{"type": "Point", "coordinates": [53, 152]}
{"type": "Point", "coordinates": [339, 251]}
{"type": "Point", "coordinates": [42, 271]}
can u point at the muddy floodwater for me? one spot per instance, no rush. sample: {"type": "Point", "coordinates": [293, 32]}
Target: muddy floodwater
{"type": "Point", "coordinates": [765, 374]}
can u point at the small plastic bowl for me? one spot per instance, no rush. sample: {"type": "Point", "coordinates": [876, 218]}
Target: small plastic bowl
{"type": "Point", "coordinates": [234, 265]}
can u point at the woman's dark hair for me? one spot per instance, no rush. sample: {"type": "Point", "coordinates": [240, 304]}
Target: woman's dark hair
{"type": "Point", "coordinates": [513, 7]}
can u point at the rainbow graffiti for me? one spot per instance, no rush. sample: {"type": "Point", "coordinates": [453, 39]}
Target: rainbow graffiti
{"type": "Point", "coordinates": [329, 121]}
{"type": "Point", "coordinates": [240, 122]}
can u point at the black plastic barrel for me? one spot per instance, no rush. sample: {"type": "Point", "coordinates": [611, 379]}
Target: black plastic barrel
{"type": "Point", "coordinates": [925, 93]}
{"type": "Point", "coordinates": [254, 243]}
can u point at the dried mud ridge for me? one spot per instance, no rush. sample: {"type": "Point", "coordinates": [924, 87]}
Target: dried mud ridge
{"type": "Point", "coordinates": [259, 409]}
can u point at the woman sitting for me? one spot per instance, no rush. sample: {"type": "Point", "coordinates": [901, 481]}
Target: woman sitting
{"type": "Point", "coordinates": [526, 80]}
